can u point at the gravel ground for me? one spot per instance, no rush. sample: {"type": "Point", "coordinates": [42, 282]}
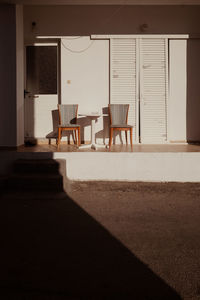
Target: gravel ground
{"type": "Point", "coordinates": [158, 222]}
{"type": "Point", "coordinates": [102, 241]}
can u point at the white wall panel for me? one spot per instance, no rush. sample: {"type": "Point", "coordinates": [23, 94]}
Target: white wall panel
{"type": "Point", "coordinates": [85, 80]}
{"type": "Point", "coordinates": [153, 90]}
{"type": "Point", "coordinates": [178, 93]}
{"type": "Point", "coordinates": [123, 88]}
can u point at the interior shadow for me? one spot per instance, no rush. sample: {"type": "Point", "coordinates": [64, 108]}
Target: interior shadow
{"type": "Point", "coordinates": [50, 246]}
{"type": "Point", "coordinates": [193, 90]}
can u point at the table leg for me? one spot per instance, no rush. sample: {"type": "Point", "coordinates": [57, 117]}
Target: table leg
{"type": "Point", "coordinates": [93, 146]}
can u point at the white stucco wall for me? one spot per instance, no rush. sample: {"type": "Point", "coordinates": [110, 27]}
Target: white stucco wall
{"type": "Point", "coordinates": [77, 20]}
{"type": "Point", "coordinates": [85, 78]}
{"type": "Point", "coordinates": [177, 90]}
{"type": "Point", "coordinates": [113, 166]}
{"type": "Point", "coordinates": [137, 166]}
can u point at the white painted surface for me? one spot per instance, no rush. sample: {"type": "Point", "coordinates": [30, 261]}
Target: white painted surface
{"type": "Point", "coordinates": [124, 79]}
{"type": "Point", "coordinates": [90, 20]}
{"type": "Point", "coordinates": [153, 90]}
{"type": "Point", "coordinates": [180, 167]}
{"type": "Point", "coordinates": [85, 80]}
{"type": "Point", "coordinates": [139, 73]}
{"type": "Point", "coordinates": [139, 36]}
{"type": "Point", "coordinates": [178, 92]}
{"type": "Point", "coordinates": [136, 166]}
{"type": "Point", "coordinates": [38, 115]}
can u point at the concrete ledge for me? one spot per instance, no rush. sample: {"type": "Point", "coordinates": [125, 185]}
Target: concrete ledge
{"type": "Point", "coordinates": [117, 166]}
{"type": "Point", "coordinates": [158, 167]}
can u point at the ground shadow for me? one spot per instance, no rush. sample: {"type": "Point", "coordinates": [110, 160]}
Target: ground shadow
{"type": "Point", "coordinates": [54, 134]}
{"type": "Point", "coordinates": [52, 247]}
{"type": "Point", "coordinates": [55, 121]}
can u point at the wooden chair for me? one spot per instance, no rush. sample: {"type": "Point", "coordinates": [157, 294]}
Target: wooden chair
{"type": "Point", "coordinates": [67, 121]}
{"type": "Point", "coordinates": [118, 120]}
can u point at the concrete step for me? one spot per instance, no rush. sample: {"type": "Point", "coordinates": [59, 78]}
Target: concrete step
{"type": "Point", "coordinates": [36, 166]}
{"type": "Point", "coordinates": [35, 182]}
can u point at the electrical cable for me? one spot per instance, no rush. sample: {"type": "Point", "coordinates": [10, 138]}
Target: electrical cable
{"type": "Point", "coordinates": [77, 51]}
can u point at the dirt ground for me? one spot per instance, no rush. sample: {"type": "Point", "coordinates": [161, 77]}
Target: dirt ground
{"type": "Point", "coordinates": [102, 240]}
{"type": "Point", "coordinates": [158, 222]}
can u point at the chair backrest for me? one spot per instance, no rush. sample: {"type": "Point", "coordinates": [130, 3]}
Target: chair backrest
{"type": "Point", "coordinates": [118, 113]}
{"type": "Point", "coordinates": [67, 113]}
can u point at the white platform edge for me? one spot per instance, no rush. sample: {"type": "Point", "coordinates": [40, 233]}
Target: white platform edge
{"type": "Point", "coordinates": [154, 167]}
{"type": "Point", "coordinates": [119, 166]}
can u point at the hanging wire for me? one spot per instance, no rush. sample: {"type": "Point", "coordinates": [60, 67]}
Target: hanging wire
{"type": "Point", "coordinates": [77, 51]}
{"type": "Point", "coordinates": [116, 11]}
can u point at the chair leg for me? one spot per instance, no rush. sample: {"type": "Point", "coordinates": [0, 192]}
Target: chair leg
{"type": "Point", "coordinates": [131, 137]}
{"type": "Point", "coordinates": [79, 137]}
{"type": "Point", "coordinates": [111, 136]}
{"type": "Point", "coordinates": [59, 136]}
{"type": "Point", "coordinates": [75, 136]}
{"type": "Point", "coordinates": [126, 137]}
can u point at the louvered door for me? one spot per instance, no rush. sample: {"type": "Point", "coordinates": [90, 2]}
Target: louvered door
{"type": "Point", "coordinates": [123, 76]}
{"type": "Point", "coordinates": [140, 66]}
{"type": "Point", "coordinates": [153, 90]}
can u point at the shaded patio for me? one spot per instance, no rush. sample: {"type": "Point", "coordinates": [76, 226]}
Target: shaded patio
{"type": "Point", "coordinates": [64, 147]}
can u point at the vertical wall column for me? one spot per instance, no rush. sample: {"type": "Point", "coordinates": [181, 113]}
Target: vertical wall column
{"type": "Point", "coordinates": [7, 76]}
{"type": "Point", "coordinates": [11, 75]}
{"type": "Point", "coordinates": [177, 99]}
{"type": "Point", "coordinates": [19, 76]}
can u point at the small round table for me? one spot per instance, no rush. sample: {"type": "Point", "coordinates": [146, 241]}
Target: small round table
{"type": "Point", "coordinates": [93, 117]}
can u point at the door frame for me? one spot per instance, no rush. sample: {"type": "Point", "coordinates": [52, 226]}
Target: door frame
{"type": "Point", "coordinates": [43, 42]}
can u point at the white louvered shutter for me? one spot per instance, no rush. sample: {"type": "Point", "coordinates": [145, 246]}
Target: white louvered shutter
{"type": "Point", "coordinates": [153, 90]}
{"type": "Point", "coordinates": [123, 76]}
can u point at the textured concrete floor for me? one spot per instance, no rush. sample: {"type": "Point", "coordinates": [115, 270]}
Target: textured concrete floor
{"type": "Point", "coordinates": [102, 241]}
{"type": "Point", "coordinates": [115, 148]}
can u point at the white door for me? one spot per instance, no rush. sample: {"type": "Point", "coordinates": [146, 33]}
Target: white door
{"type": "Point", "coordinates": [41, 94]}
{"type": "Point", "coordinates": [123, 88]}
{"type": "Point", "coordinates": [139, 77]}
{"type": "Point", "coordinates": [153, 90]}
